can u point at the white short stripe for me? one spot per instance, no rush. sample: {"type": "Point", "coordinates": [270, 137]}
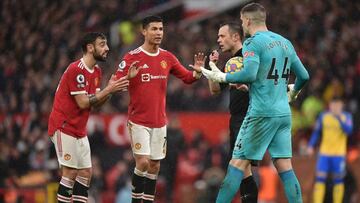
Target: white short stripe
{"type": "Point", "coordinates": [151, 176]}
{"type": "Point", "coordinates": [79, 198]}
{"type": "Point", "coordinates": [150, 199]}
{"type": "Point", "coordinates": [63, 199]}
{"type": "Point", "coordinates": [149, 196]}
{"type": "Point", "coordinates": [137, 195]}
{"type": "Point", "coordinates": [78, 92]}
{"type": "Point", "coordinates": [140, 173]}
{"type": "Point", "coordinates": [67, 182]}
{"type": "Point", "coordinates": [66, 185]}
{"type": "Point", "coordinates": [82, 183]}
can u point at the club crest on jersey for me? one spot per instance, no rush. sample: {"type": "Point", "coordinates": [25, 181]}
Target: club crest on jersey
{"type": "Point", "coordinates": [122, 65]}
{"type": "Point", "coordinates": [80, 78]}
{"type": "Point", "coordinates": [163, 64]}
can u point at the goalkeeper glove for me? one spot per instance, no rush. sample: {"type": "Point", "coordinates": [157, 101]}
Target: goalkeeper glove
{"type": "Point", "coordinates": [292, 94]}
{"type": "Point", "coordinates": [214, 74]}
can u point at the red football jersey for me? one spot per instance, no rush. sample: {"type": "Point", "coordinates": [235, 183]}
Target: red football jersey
{"type": "Point", "coordinates": [148, 89]}
{"type": "Point", "coordinates": [66, 115]}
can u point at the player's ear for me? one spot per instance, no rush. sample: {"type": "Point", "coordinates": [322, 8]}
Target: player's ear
{"type": "Point", "coordinates": [143, 31]}
{"type": "Point", "coordinates": [90, 47]}
{"type": "Point", "coordinates": [236, 37]}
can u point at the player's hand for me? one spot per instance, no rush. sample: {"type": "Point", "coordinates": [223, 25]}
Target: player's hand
{"type": "Point", "coordinates": [214, 56]}
{"type": "Point", "coordinates": [120, 84]}
{"type": "Point", "coordinates": [133, 70]}
{"type": "Point", "coordinates": [214, 67]}
{"type": "Point", "coordinates": [199, 61]}
{"type": "Point", "coordinates": [310, 151]}
{"type": "Point", "coordinates": [292, 94]}
{"type": "Point", "coordinates": [214, 76]}
{"type": "Point", "coordinates": [242, 87]}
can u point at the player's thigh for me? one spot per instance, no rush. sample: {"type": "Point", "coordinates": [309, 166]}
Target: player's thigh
{"type": "Point", "coordinates": [65, 146]}
{"type": "Point", "coordinates": [338, 165]}
{"type": "Point", "coordinates": [140, 138]}
{"type": "Point", "coordinates": [158, 143]}
{"type": "Point", "coordinates": [323, 165]}
{"type": "Point", "coordinates": [280, 145]}
{"type": "Point", "coordinates": [234, 127]}
{"type": "Point", "coordinates": [254, 138]}
{"type": "Point", "coordinates": [83, 153]}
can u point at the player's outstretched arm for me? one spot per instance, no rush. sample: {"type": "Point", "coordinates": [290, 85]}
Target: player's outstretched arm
{"type": "Point", "coordinates": [123, 82]}
{"type": "Point", "coordinates": [246, 75]}
{"type": "Point", "coordinates": [95, 100]}
{"type": "Point", "coordinates": [199, 62]}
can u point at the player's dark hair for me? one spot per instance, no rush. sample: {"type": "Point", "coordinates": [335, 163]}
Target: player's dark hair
{"type": "Point", "coordinates": [150, 19]}
{"type": "Point", "coordinates": [90, 38]}
{"type": "Point", "coordinates": [253, 7]}
{"type": "Point", "coordinates": [234, 28]}
{"type": "Point", "coordinates": [258, 11]}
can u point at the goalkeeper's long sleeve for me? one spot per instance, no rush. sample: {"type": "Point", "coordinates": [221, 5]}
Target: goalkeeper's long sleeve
{"type": "Point", "coordinates": [246, 75]}
{"type": "Point", "coordinates": [302, 76]}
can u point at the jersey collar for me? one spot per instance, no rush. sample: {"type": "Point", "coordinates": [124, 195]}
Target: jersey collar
{"type": "Point", "coordinates": [150, 54]}
{"type": "Point", "coordinates": [86, 67]}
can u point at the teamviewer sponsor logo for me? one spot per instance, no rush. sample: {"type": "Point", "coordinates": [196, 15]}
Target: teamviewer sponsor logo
{"type": "Point", "coordinates": [145, 77]}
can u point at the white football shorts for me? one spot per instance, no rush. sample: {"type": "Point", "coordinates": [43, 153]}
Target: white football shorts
{"type": "Point", "coordinates": [148, 141]}
{"type": "Point", "coordinates": [71, 151]}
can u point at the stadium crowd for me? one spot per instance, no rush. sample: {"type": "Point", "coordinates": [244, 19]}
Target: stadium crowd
{"type": "Point", "coordinates": [40, 38]}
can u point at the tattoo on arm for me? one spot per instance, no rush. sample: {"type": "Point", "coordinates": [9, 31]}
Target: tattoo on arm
{"type": "Point", "coordinates": [92, 99]}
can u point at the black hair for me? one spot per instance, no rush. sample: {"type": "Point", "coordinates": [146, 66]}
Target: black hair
{"type": "Point", "coordinates": [234, 28]}
{"type": "Point", "coordinates": [90, 38]}
{"type": "Point", "coordinates": [150, 19]}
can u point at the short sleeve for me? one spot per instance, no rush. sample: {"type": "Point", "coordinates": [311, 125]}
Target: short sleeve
{"type": "Point", "coordinates": [75, 80]}
{"type": "Point", "coordinates": [98, 83]}
{"type": "Point", "coordinates": [123, 66]}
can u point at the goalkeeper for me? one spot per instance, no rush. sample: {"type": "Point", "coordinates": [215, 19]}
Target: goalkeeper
{"type": "Point", "coordinates": [229, 40]}
{"type": "Point", "coordinates": [268, 59]}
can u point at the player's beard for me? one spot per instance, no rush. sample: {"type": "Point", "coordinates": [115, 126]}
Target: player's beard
{"type": "Point", "coordinates": [98, 57]}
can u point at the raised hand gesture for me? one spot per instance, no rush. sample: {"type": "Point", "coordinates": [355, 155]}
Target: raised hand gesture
{"type": "Point", "coordinates": [199, 61]}
{"type": "Point", "coordinates": [133, 70]}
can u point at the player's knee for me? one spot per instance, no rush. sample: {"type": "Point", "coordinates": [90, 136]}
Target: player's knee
{"type": "Point", "coordinates": [247, 171]}
{"type": "Point", "coordinates": [282, 165]}
{"type": "Point", "coordinates": [154, 165]}
{"type": "Point", "coordinates": [240, 164]}
{"type": "Point", "coordinates": [142, 163]}
{"type": "Point", "coordinates": [338, 178]}
{"type": "Point", "coordinates": [86, 173]}
{"type": "Point", "coordinates": [70, 173]}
